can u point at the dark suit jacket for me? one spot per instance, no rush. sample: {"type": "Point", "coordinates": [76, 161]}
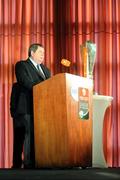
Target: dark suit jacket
{"type": "Point", "coordinates": [14, 99]}
{"type": "Point", "coordinates": [27, 76]}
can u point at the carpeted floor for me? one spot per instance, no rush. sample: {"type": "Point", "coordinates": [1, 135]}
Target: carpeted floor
{"type": "Point", "coordinates": [61, 174]}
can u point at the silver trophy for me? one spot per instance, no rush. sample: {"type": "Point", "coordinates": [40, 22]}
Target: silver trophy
{"type": "Point", "coordinates": [88, 53]}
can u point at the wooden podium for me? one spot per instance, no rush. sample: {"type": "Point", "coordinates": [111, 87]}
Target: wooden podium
{"type": "Point", "coordinates": [62, 138]}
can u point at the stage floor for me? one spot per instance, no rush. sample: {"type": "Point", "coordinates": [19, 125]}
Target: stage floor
{"type": "Point", "coordinates": [60, 174]}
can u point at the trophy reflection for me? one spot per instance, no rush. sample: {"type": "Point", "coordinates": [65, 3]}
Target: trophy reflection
{"type": "Point", "coordinates": [88, 52]}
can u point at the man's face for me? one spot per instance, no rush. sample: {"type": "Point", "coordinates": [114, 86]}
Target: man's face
{"type": "Point", "coordinates": [38, 56]}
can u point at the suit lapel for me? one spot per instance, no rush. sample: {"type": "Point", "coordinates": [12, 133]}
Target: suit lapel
{"type": "Point", "coordinates": [31, 64]}
{"type": "Point", "coordinates": [44, 70]}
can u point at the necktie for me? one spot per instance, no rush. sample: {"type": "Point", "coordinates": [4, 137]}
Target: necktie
{"type": "Point", "coordinates": [40, 71]}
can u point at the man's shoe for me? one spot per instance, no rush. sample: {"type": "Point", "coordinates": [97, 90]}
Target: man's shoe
{"type": "Point", "coordinates": [16, 167]}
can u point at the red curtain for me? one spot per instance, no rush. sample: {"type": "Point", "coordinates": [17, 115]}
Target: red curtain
{"type": "Point", "coordinates": [62, 26]}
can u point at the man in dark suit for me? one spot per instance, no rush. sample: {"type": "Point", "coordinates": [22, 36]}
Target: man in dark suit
{"type": "Point", "coordinates": [28, 73]}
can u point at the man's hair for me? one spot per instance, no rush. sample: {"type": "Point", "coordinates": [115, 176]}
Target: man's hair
{"type": "Point", "coordinates": [33, 47]}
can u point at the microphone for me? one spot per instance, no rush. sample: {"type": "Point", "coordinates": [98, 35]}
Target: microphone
{"type": "Point", "coordinates": [65, 62]}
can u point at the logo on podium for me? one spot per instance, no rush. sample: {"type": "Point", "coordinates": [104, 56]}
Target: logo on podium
{"type": "Point", "coordinates": [83, 103]}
